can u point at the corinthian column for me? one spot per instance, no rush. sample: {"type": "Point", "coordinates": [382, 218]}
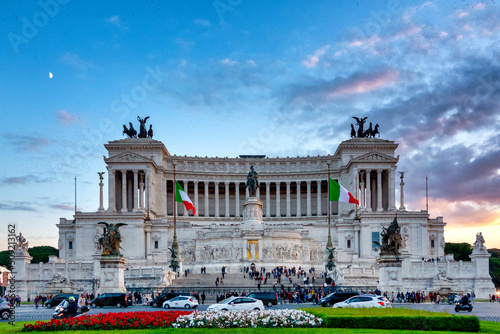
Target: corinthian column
{"type": "Point", "coordinates": [124, 191]}
{"type": "Point", "coordinates": [207, 208]}
{"type": "Point", "coordinates": [237, 199]}
{"type": "Point", "coordinates": [288, 200]}
{"type": "Point", "coordinates": [402, 184]}
{"type": "Point", "coordinates": [268, 199]}
{"type": "Point", "coordinates": [196, 197]}
{"type": "Point", "coordinates": [136, 186]}
{"type": "Point", "coordinates": [278, 200]}
{"type": "Point", "coordinates": [299, 213]}
{"type": "Point", "coordinates": [216, 199]}
{"type": "Point", "coordinates": [111, 190]}
{"type": "Point", "coordinates": [368, 190]}
{"type": "Point", "coordinates": [379, 190]}
{"type": "Point", "coordinates": [226, 190]}
{"type": "Point", "coordinates": [308, 198]}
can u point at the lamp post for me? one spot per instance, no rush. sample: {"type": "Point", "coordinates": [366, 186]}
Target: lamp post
{"type": "Point", "coordinates": [175, 246]}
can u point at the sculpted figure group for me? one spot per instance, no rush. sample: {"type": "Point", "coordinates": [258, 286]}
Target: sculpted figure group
{"type": "Point", "coordinates": [110, 240]}
{"type": "Point", "coordinates": [362, 133]}
{"type": "Point", "coordinates": [391, 239]}
{"type": "Point", "coordinates": [132, 133]}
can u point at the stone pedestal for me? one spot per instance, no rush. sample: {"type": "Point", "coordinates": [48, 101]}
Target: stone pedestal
{"type": "Point", "coordinates": [112, 274]}
{"type": "Point", "coordinates": [20, 273]}
{"type": "Point", "coordinates": [390, 273]}
{"type": "Point", "coordinates": [252, 211]}
{"type": "Point", "coordinates": [482, 286]}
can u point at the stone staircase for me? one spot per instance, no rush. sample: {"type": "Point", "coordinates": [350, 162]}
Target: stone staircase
{"type": "Point", "coordinates": [208, 281]}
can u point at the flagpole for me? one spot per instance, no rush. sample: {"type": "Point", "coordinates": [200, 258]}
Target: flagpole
{"type": "Point", "coordinates": [174, 243]}
{"type": "Point", "coordinates": [329, 243]}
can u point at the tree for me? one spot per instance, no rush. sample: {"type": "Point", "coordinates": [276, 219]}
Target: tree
{"type": "Point", "coordinates": [460, 251]}
{"type": "Point", "coordinates": [495, 271]}
{"type": "Point", "coordinates": [39, 254]}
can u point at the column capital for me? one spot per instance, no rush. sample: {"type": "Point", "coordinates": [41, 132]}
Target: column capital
{"type": "Point", "coordinates": [319, 181]}
{"type": "Point", "coordinates": [308, 181]}
{"type": "Point", "coordinates": [123, 170]}
{"type": "Point", "coordinates": [278, 183]}
{"type": "Point", "coordinates": [196, 182]}
{"type": "Point", "coordinates": [298, 182]}
{"type": "Point", "coordinates": [216, 183]}
{"type": "Point", "coordinates": [136, 171]}
{"type": "Point", "coordinates": [288, 183]}
{"type": "Point", "coordinates": [227, 182]}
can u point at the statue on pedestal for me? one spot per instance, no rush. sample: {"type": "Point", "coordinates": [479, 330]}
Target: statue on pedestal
{"type": "Point", "coordinates": [21, 244]}
{"type": "Point", "coordinates": [479, 243]}
{"type": "Point", "coordinates": [110, 240]}
{"type": "Point", "coordinates": [252, 182]}
{"type": "Point", "coordinates": [391, 239]}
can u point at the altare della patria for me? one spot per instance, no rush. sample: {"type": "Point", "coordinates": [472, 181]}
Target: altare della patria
{"type": "Point", "coordinates": [251, 210]}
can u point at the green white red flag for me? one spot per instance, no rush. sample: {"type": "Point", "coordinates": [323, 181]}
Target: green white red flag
{"type": "Point", "coordinates": [340, 194]}
{"type": "Point", "coordinates": [181, 196]}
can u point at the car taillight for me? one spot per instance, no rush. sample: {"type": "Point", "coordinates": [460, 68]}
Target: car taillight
{"type": "Point", "coordinates": [9, 305]}
{"type": "Point", "coordinates": [381, 303]}
{"type": "Point", "coordinates": [190, 300]}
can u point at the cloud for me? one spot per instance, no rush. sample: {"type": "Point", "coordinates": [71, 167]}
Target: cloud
{"type": "Point", "coordinates": [64, 207]}
{"type": "Point", "coordinates": [202, 23]}
{"type": "Point", "coordinates": [22, 180]}
{"type": "Point", "coordinates": [65, 118]}
{"type": "Point", "coordinates": [17, 206]}
{"type": "Point", "coordinates": [75, 61]}
{"type": "Point", "coordinates": [24, 143]}
{"type": "Point", "coordinates": [312, 60]}
{"type": "Point", "coordinates": [117, 22]}
{"type": "Point", "coordinates": [228, 62]}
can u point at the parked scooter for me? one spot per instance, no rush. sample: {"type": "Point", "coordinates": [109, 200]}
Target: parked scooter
{"type": "Point", "coordinates": [461, 307]}
{"type": "Point", "coordinates": [60, 311]}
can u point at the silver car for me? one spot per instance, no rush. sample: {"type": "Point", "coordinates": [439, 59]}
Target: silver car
{"type": "Point", "coordinates": [237, 304]}
{"type": "Point", "coordinates": [5, 310]}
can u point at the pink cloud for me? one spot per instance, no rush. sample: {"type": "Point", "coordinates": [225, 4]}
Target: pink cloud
{"type": "Point", "coordinates": [364, 85]}
{"type": "Point", "coordinates": [66, 118]}
{"type": "Point", "coordinates": [312, 60]}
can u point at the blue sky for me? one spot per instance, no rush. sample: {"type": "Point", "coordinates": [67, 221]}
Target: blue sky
{"type": "Point", "coordinates": [230, 77]}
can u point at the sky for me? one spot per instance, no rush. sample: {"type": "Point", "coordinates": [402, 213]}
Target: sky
{"type": "Point", "coordinates": [231, 77]}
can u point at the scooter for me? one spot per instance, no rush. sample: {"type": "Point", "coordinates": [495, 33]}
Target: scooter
{"type": "Point", "coordinates": [460, 307]}
{"type": "Point", "coordinates": [60, 311]}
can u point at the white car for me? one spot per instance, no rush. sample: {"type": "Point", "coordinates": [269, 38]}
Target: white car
{"type": "Point", "coordinates": [181, 302]}
{"type": "Point", "coordinates": [237, 304]}
{"type": "Point", "coordinates": [365, 301]}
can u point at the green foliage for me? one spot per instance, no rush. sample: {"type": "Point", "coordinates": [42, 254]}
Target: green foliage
{"type": "Point", "coordinates": [400, 319]}
{"type": "Point", "coordinates": [460, 251]}
{"type": "Point", "coordinates": [495, 271]}
{"type": "Point", "coordinates": [39, 254]}
{"type": "Point", "coordinates": [495, 252]}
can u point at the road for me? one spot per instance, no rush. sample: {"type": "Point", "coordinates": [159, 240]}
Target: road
{"type": "Point", "coordinates": [485, 311]}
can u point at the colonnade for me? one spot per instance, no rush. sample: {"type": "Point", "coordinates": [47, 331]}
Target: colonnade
{"type": "Point", "coordinates": [128, 190]}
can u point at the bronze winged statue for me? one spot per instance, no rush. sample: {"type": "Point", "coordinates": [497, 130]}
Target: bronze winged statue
{"type": "Point", "coordinates": [110, 240]}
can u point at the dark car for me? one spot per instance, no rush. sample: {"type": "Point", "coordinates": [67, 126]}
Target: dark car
{"type": "Point", "coordinates": [268, 298]}
{"type": "Point", "coordinates": [110, 299]}
{"type": "Point", "coordinates": [58, 299]}
{"type": "Point", "coordinates": [158, 301]}
{"type": "Point", "coordinates": [336, 297]}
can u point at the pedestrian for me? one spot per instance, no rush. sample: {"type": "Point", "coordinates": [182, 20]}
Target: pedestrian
{"type": "Point", "coordinates": [36, 301]}
{"type": "Point", "coordinates": [81, 301]}
{"type": "Point", "coordinates": [203, 298]}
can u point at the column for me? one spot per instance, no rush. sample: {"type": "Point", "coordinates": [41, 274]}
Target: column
{"type": "Point", "coordinates": [237, 199]}
{"type": "Point", "coordinates": [362, 185]}
{"type": "Point", "coordinates": [207, 208]}
{"type": "Point", "coordinates": [185, 212]}
{"type": "Point", "coordinates": [368, 190]}
{"type": "Point", "coordinates": [247, 194]}
{"type": "Point", "coordinates": [309, 214]}
{"type": "Point", "coordinates": [319, 198]}
{"type": "Point", "coordinates": [257, 193]}
{"type": "Point", "coordinates": [216, 199]}
{"type": "Point", "coordinates": [164, 194]}
{"type": "Point", "coordinates": [141, 191]}
{"type": "Point", "coordinates": [268, 199]}
{"type": "Point", "coordinates": [299, 213]}
{"type": "Point", "coordinates": [288, 199]}
{"type": "Point", "coordinates": [356, 242]}
{"type": "Point", "coordinates": [196, 198]}
{"type": "Point", "coordinates": [148, 243]}
{"type": "Point", "coordinates": [278, 200]}
{"type": "Point", "coordinates": [136, 186]}
{"type": "Point", "coordinates": [402, 184]}
{"type": "Point", "coordinates": [111, 190]}
{"type": "Point", "coordinates": [392, 189]}
{"type": "Point", "coordinates": [227, 198]}
{"type": "Point", "coordinates": [379, 190]}
{"type": "Point", "coordinates": [148, 190]}
{"type": "Point", "coordinates": [124, 190]}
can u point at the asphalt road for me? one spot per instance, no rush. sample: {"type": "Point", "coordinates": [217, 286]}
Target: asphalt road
{"type": "Point", "coordinates": [485, 311]}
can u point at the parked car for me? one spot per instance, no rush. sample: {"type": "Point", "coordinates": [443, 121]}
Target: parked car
{"type": "Point", "coordinates": [110, 299]}
{"type": "Point", "coordinates": [181, 302]}
{"type": "Point", "coordinates": [5, 310]}
{"type": "Point", "coordinates": [336, 297]}
{"type": "Point", "coordinates": [365, 301]}
{"type": "Point", "coordinates": [158, 301]}
{"type": "Point", "coordinates": [268, 298]}
{"type": "Point", "coordinates": [58, 299]}
{"type": "Point", "coordinates": [237, 304]}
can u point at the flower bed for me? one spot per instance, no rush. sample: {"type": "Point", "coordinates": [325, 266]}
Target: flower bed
{"type": "Point", "coordinates": [235, 319]}
{"type": "Point", "coordinates": [123, 320]}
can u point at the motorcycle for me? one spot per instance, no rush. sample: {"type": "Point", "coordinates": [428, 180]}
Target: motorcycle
{"type": "Point", "coordinates": [461, 307]}
{"type": "Point", "coordinates": [60, 311]}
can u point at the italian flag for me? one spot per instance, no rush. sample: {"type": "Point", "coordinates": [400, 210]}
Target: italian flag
{"type": "Point", "coordinates": [340, 194]}
{"type": "Point", "coordinates": [181, 196]}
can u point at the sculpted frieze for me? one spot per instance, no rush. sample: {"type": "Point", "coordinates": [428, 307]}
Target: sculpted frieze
{"type": "Point", "coordinates": [283, 252]}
